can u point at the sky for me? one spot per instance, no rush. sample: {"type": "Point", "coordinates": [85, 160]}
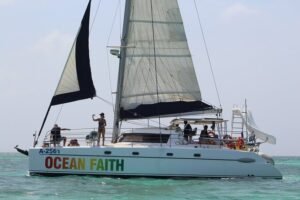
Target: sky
{"type": "Point", "coordinates": [254, 48]}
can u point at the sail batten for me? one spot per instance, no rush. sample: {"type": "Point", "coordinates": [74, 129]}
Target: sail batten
{"type": "Point", "coordinates": [159, 55]}
{"type": "Point", "coordinates": [156, 22]}
{"type": "Point", "coordinates": [76, 80]}
{"type": "Point", "coordinates": [166, 92]}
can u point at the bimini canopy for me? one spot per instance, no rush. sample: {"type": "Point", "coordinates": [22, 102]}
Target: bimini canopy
{"type": "Point", "coordinates": [198, 121]}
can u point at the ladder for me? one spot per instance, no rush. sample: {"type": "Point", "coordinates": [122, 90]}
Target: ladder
{"type": "Point", "coordinates": [237, 126]}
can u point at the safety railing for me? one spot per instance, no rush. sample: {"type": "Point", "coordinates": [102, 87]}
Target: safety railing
{"type": "Point", "coordinates": [89, 137]}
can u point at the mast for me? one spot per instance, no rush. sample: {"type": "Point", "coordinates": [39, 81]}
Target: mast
{"type": "Point", "coordinates": [116, 125]}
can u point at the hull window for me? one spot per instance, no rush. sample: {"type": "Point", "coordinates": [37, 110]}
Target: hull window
{"type": "Point", "coordinates": [144, 138]}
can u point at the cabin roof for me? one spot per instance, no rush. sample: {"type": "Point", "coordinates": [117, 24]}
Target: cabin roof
{"type": "Point", "coordinates": [198, 121]}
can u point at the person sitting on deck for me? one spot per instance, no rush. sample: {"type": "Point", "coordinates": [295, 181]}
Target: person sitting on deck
{"type": "Point", "coordinates": [73, 142]}
{"type": "Point", "coordinates": [204, 135]}
{"type": "Point", "coordinates": [56, 134]}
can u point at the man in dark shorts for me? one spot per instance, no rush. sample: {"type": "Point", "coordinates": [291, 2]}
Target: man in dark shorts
{"type": "Point", "coordinates": [56, 134]}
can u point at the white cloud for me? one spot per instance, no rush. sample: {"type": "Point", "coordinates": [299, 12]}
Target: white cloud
{"type": "Point", "coordinates": [6, 2]}
{"type": "Point", "coordinates": [238, 10]}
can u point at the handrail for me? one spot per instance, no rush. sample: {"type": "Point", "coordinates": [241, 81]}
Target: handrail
{"type": "Point", "coordinates": [175, 138]}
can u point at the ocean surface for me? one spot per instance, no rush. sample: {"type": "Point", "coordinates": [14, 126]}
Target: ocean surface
{"type": "Point", "coordinates": [16, 184]}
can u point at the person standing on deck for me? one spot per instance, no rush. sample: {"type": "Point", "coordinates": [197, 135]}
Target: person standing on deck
{"type": "Point", "coordinates": [187, 131]}
{"type": "Point", "coordinates": [101, 128]}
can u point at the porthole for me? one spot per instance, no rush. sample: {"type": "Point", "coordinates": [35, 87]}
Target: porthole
{"type": "Point", "coordinates": [107, 152]}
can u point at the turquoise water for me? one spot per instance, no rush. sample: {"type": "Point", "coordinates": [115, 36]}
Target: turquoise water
{"type": "Point", "coordinates": [16, 184]}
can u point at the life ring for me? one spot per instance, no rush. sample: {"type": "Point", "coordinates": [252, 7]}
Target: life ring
{"type": "Point", "coordinates": [228, 141]}
{"type": "Point", "coordinates": [211, 134]}
{"type": "Point", "coordinates": [240, 143]}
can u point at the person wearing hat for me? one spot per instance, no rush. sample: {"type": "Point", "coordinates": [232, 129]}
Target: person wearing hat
{"type": "Point", "coordinates": [101, 128]}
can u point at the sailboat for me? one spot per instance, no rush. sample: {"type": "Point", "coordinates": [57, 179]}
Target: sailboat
{"type": "Point", "coordinates": [156, 79]}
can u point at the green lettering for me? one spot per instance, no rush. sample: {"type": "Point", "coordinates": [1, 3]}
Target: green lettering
{"type": "Point", "coordinates": [100, 165]}
{"type": "Point", "coordinates": [112, 162]}
{"type": "Point", "coordinates": [120, 165]}
{"type": "Point", "coordinates": [106, 164]}
{"type": "Point", "coordinates": [92, 163]}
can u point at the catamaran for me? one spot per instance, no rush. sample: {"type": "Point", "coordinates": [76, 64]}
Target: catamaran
{"type": "Point", "coordinates": [156, 79]}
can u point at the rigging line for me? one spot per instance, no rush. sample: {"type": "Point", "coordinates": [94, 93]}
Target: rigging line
{"type": "Point", "coordinates": [155, 67]}
{"type": "Point", "coordinates": [110, 84]}
{"type": "Point", "coordinates": [154, 53]}
{"type": "Point", "coordinates": [207, 53]}
{"type": "Point", "coordinates": [58, 115]}
{"type": "Point", "coordinates": [107, 54]}
{"type": "Point", "coordinates": [94, 19]}
{"type": "Point", "coordinates": [110, 103]}
{"type": "Point", "coordinates": [120, 3]}
{"type": "Point", "coordinates": [112, 26]}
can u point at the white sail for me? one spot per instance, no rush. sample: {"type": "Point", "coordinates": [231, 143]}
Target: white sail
{"type": "Point", "coordinates": [76, 80]}
{"type": "Point", "coordinates": [68, 82]}
{"type": "Point", "coordinates": [158, 66]}
{"type": "Point", "coordinates": [252, 127]}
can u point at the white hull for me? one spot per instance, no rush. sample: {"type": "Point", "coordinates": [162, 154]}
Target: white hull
{"type": "Point", "coordinates": [155, 162]}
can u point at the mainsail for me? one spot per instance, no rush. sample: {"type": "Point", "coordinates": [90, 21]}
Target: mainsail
{"type": "Point", "coordinates": [76, 80]}
{"type": "Point", "coordinates": [157, 76]}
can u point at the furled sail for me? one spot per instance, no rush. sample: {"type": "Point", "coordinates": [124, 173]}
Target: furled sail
{"type": "Point", "coordinates": [158, 73]}
{"type": "Point", "coordinates": [76, 80]}
{"type": "Point", "coordinates": [251, 126]}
